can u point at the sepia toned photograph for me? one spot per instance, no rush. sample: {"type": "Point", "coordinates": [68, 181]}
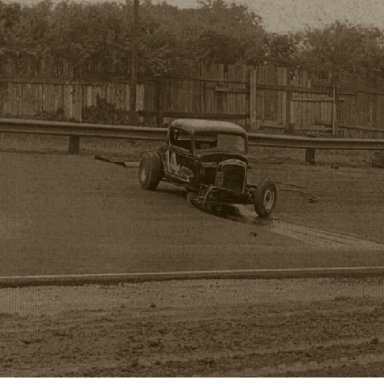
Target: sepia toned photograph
{"type": "Point", "coordinates": [191, 188]}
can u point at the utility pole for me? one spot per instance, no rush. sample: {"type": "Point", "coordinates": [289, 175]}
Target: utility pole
{"type": "Point", "coordinates": [132, 88]}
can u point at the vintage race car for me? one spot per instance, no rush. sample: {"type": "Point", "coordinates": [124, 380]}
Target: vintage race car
{"type": "Point", "coordinates": [209, 159]}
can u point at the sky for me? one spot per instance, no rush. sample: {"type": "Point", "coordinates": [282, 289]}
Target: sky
{"type": "Point", "coordinates": [292, 15]}
{"type": "Point", "coordinates": [283, 16]}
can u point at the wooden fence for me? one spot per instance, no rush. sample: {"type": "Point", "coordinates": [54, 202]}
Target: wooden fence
{"type": "Point", "coordinates": [65, 101]}
{"type": "Point", "coordinates": [267, 99]}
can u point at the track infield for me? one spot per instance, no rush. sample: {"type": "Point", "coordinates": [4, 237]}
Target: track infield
{"type": "Point", "coordinates": [73, 215]}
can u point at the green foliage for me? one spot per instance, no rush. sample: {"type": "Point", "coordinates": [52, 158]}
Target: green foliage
{"type": "Point", "coordinates": [105, 113]}
{"type": "Point", "coordinates": [168, 36]}
{"type": "Point", "coordinates": [281, 50]}
{"type": "Point", "coordinates": [342, 48]}
{"type": "Point", "coordinates": [81, 31]}
{"type": "Point", "coordinates": [227, 33]}
{"type": "Point", "coordinates": [100, 33]}
{"type": "Point", "coordinates": [23, 29]}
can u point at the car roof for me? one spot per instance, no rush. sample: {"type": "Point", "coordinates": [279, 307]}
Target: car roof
{"type": "Point", "coordinates": [193, 126]}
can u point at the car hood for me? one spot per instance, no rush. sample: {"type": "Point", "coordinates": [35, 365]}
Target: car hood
{"type": "Point", "coordinates": [218, 157]}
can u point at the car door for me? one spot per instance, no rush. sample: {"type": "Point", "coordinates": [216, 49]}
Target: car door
{"type": "Point", "coordinates": [178, 156]}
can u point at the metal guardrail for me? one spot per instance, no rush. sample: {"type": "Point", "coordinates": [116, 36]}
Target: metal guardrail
{"type": "Point", "coordinates": [281, 141]}
{"type": "Point", "coordinates": [81, 129]}
{"type": "Point", "coordinates": [77, 130]}
{"type": "Point", "coordinates": [310, 144]}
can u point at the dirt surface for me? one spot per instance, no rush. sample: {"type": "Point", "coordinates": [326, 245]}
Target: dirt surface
{"type": "Point", "coordinates": [317, 327]}
{"type": "Point", "coordinates": [73, 214]}
{"type": "Point", "coordinates": [64, 214]}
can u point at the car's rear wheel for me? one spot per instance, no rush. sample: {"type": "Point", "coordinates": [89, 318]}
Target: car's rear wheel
{"type": "Point", "coordinates": [150, 170]}
{"type": "Point", "coordinates": [264, 198]}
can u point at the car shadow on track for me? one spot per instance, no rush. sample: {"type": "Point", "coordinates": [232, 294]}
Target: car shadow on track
{"type": "Point", "coordinates": [232, 212]}
{"type": "Point", "coordinates": [172, 190]}
{"type": "Point", "coordinates": [240, 214]}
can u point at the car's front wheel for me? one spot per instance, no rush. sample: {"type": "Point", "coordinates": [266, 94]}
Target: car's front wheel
{"type": "Point", "coordinates": [150, 170]}
{"type": "Point", "coordinates": [264, 198]}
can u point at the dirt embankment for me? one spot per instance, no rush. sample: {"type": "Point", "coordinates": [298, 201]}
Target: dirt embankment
{"type": "Point", "coordinates": [317, 327]}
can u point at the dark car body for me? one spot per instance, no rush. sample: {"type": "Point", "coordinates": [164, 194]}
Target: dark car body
{"type": "Point", "coordinates": [208, 158]}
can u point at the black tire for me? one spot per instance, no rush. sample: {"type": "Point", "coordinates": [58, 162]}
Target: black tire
{"type": "Point", "coordinates": [264, 198]}
{"type": "Point", "coordinates": [150, 170]}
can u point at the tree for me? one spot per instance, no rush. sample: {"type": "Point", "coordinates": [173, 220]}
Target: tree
{"type": "Point", "coordinates": [23, 31]}
{"type": "Point", "coordinates": [281, 50]}
{"type": "Point", "coordinates": [341, 48]}
{"type": "Point", "coordinates": [81, 32]}
{"type": "Point", "coordinates": [228, 33]}
{"type": "Point", "coordinates": [213, 32]}
{"type": "Point", "coordinates": [169, 37]}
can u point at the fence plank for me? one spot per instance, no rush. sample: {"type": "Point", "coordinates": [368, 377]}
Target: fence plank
{"type": "Point", "coordinates": [253, 99]}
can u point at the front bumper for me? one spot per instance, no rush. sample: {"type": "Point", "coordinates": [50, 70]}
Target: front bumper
{"type": "Point", "coordinates": [210, 196]}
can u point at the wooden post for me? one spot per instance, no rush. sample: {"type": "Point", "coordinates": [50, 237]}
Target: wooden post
{"type": "Point", "coordinates": [133, 83]}
{"type": "Point", "coordinates": [74, 145]}
{"type": "Point", "coordinates": [159, 101]}
{"type": "Point", "coordinates": [334, 109]}
{"type": "Point", "coordinates": [288, 127]}
{"type": "Point", "coordinates": [310, 154]}
{"type": "Point", "coordinates": [252, 99]}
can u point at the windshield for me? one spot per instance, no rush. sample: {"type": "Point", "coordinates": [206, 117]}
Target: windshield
{"type": "Point", "coordinates": [220, 142]}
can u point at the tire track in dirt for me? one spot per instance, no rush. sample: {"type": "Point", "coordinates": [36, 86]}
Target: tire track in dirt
{"type": "Point", "coordinates": [312, 236]}
{"type": "Point", "coordinates": [263, 354]}
{"type": "Point", "coordinates": [298, 369]}
{"type": "Point", "coordinates": [206, 328]}
{"type": "Point", "coordinates": [322, 238]}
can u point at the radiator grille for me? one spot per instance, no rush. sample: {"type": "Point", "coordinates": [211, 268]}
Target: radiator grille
{"type": "Point", "coordinates": [233, 177]}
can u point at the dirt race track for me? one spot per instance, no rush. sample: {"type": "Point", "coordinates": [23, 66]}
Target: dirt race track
{"type": "Point", "coordinates": [317, 327]}
{"type": "Point", "coordinates": [68, 215]}
{"type": "Point", "coordinates": [72, 214]}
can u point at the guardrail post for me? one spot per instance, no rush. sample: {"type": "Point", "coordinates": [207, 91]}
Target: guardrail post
{"type": "Point", "coordinates": [74, 145]}
{"type": "Point", "coordinates": [310, 154]}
